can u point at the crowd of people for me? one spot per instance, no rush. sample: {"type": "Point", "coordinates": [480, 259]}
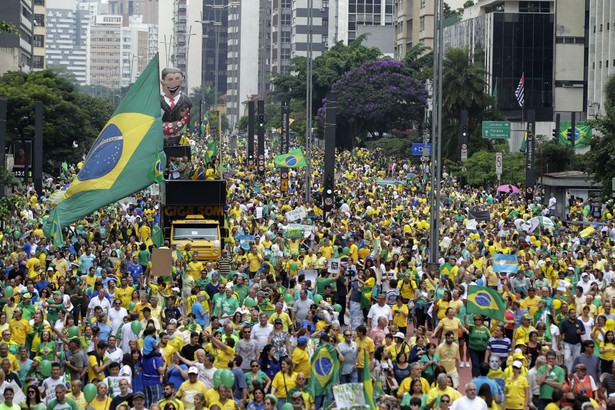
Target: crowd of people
{"type": "Point", "coordinates": [87, 325]}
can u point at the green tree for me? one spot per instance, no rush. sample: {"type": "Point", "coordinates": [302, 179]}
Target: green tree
{"type": "Point", "coordinates": [599, 161]}
{"type": "Point", "coordinates": [419, 62]}
{"type": "Point", "coordinates": [69, 116]}
{"type": "Point", "coordinates": [479, 169]}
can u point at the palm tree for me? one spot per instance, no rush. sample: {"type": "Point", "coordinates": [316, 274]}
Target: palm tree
{"type": "Point", "coordinates": [464, 84]}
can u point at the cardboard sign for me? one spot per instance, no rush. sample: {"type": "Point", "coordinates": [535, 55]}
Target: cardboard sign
{"type": "Point", "coordinates": [334, 265]}
{"type": "Point", "coordinates": [162, 262]}
{"type": "Point", "coordinates": [349, 396]}
{"type": "Point", "coordinates": [298, 213]}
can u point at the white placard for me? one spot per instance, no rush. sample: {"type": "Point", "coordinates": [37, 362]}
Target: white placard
{"type": "Point", "coordinates": [349, 395]}
{"type": "Point", "coordinates": [334, 265]}
{"type": "Point", "coordinates": [298, 213]}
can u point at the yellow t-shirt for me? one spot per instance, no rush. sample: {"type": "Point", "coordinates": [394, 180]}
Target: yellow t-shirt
{"type": "Point", "coordinates": [228, 405]}
{"type": "Point", "coordinates": [301, 361]}
{"type": "Point", "coordinates": [286, 321]}
{"type": "Point", "coordinates": [401, 319]}
{"type": "Point", "coordinates": [101, 405]}
{"type": "Point", "coordinates": [436, 393]}
{"type": "Point", "coordinates": [365, 344]}
{"type": "Point", "coordinates": [609, 355]}
{"type": "Point", "coordinates": [281, 382]}
{"type": "Point", "coordinates": [515, 392]}
{"type": "Point", "coordinates": [188, 390]}
{"type": "Point", "coordinates": [452, 325]}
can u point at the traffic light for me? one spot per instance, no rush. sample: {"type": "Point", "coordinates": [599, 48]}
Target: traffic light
{"type": "Point", "coordinates": [554, 133]}
{"type": "Point", "coordinates": [328, 197]}
{"type": "Point", "coordinates": [261, 120]}
{"type": "Point", "coordinates": [464, 132]}
{"type": "Point", "coordinates": [570, 134]}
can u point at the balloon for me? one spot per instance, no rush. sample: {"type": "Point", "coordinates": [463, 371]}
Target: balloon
{"type": "Point", "coordinates": [337, 307]}
{"type": "Point", "coordinates": [73, 331]}
{"type": "Point", "coordinates": [557, 304]}
{"type": "Point", "coordinates": [136, 327]}
{"type": "Point", "coordinates": [61, 356]}
{"type": "Point", "coordinates": [288, 298]}
{"type": "Point", "coordinates": [228, 379]}
{"type": "Point", "coordinates": [287, 406]}
{"type": "Point", "coordinates": [131, 306]}
{"type": "Point", "coordinates": [217, 377]}
{"type": "Point", "coordinates": [294, 266]}
{"type": "Point", "coordinates": [346, 250]}
{"type": "Point", "coordinates": [317, 299]}
{"type": "Point", "coordinates": [89, 392]}
{"type": "Point", "coordinates": [45, 368]}
{"type": "Point", "coordinates": [610, 324]}
{"type": "Point", "coordinates": [8, 291]}
{"type": "Point", "coordinates": [249, 302]}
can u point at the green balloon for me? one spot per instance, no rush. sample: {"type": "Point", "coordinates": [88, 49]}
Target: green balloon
{"type": "Point", "coordinates": [249, 302]}
{"type": "Point", "coordinates": [228, 379]}
{"type": "Point", "coordinates": [346, 250]}
{"type": "Point", "coordinates": [317, 299]}
{"type": "Point", "coordinates": [287, 406]}
{"type": "Point", "coordinates": [73, 331]}
{"type": "Point", "coordinates": [288, 298]}
{"type": "Point", "coordinates": [61, 356]}
{"type": "Point", "coordinates": [89, 392]}
{"type": "Point", "coordinates": [337, 307]}
{"type": "Point", "coordinates": [131, 306]}
{"type": "Point", "coordinates": [294, 266]}
{"type": "Point", "coordinates": [16, 234]}
{"type": "Point", "coordinates": [136, 327]}
{"type": "Point", "coordinates": [217, 378]}
{"type": "Point", "coordinates": [45, 368]}
{"type": "Point", "coordinates": [8, 291]}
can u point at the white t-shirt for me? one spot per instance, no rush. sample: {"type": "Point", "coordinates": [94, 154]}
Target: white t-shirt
{"type": "Point", "coordinates": [376, 311]}
{"type": "Point", "coordinates": [464, 403]}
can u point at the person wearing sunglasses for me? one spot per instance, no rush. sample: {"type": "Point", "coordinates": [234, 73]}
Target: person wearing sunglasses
{"type": "Point", "coordinates": [445, 402]}
{"type": "Point", "coordinates": [349, 349]}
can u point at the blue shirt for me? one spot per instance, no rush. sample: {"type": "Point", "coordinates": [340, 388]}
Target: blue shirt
{"type": "Point", "coordinates": [199, 313]}
{"type": "Point", "coordinates": [151, 377]}
{"type": "Point", "coordinates": [104, 330]}
{"type": "Point", "coordinates": [499, 347]}
{"type": "Point", "coordinates": [240, 384]}
{"type": "Point", "coordinates": [480, 380]}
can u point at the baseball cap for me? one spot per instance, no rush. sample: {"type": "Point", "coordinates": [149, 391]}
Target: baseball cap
{"type": "Point", "coordinates": [517, 364]}
{"type": "Point", "coordinates": [525, 317]}
{"type": "Point", "coordinates": [138, 394]}
{"type": "Point", "coordinates": [302, 340]}
{"type": "Point", "coordinates": [278, 321]}
{"type": "Point", "coordinates": [400, 335]}
{"type": "Point", "coordinates": [193, 370]}
{"type": "Point", "coordinates": [27, 296]}
{"type": "Point", "coordinates": [520, 343]}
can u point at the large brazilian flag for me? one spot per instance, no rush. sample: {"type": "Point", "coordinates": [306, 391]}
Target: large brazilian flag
{"type": "Point", "coordinates": [325, 370]}
{"type": "Point", "coordinates": [125, 158]}
{"type": "Point", "coordinates": [485, 301]}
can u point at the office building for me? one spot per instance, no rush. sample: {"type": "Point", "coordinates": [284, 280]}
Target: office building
{"type": "Point", "coordinates": [16, 48]}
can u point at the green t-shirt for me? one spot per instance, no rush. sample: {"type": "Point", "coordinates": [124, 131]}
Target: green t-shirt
{"type": "Point", "coordinates": [479, 337]}
{"type": "Point", "coordinates": [321, 283]}
{"type": "Point", "coordinates": [555, 375]}
{"type": "Point", "coordinates": [69, 404]}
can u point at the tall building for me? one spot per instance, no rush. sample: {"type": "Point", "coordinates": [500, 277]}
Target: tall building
{"type": "Point", "coordinates": [601, 58]}
{"type": "Point", "coordinates": [147, 9]}
{"type": "Point", "coordinates": [215, 46]}
{"type": "Point", "coordinates": [413, 24]}
{"type": "Point", "coordinates": [300, 29]}
{"type": "Point", "coordinates": [66, 38]}
{"type": "Point", "coordinates": [16, 48]}
{"type": "Point", "coordinates": [39, 34]}
{"type": "Point", "coordinates": [281, 18]}
{"type": "Point", "coordinates": [349, 16]}
{"type": "Point", "coordinates": [104, 51]}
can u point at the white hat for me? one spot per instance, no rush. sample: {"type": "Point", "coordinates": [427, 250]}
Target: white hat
{"type": "Point", "coordinates": [193, 370]}
{"type": "Point", "coordinates": [400, 335]}
{"type": "Point", "coordinates": [517, 364]}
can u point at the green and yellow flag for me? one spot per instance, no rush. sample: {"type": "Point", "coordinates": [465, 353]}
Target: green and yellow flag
{"type": "Point", "coordinates": [212, 151]}
{"type": "Point", "coordinates": [523, 146]}
{"type": "Point", "coordinates": [157, 170]}
{"type": "Point", "coordinates": [120, 161]}
{"type": "Point", "coordinates": [325, 370]}
{"type": "Point", "coordinates": [485, 301]}
{"type": "Point", "coordinates": [56, 233]}
{"type": "Point", "coordinates": [294, 159]}
{"type": "Point", "coordinates": [368, 385]}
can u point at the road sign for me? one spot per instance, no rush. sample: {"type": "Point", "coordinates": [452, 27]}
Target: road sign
{"type": "Point", "coordinates": [498, 163]}
{"type": "Point", "coordinates": [421, 149]}
{"type": "Point", "coordinates": [464, 152]}
{"type": "Point", "coordinates": [496, 129]}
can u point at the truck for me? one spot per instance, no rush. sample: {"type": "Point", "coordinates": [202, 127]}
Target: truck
{"type": "Point", "coordinates": [192, 212]}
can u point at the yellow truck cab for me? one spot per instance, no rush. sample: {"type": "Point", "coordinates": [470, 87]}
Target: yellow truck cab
{"type": "Point", "coordinates": [202, 234]}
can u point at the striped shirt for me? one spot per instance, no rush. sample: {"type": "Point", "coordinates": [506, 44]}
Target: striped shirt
{"type": "Point", "coordinates": [499, 347]}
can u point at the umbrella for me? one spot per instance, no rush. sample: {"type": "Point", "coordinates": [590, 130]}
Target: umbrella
{"type": "Point", "coordinates": [507, 188]}
{"type": "Point", "coordinates": [541, 221]}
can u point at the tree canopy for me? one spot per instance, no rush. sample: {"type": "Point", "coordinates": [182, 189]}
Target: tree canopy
{"type": "Point", "coordinates": [69, 116]}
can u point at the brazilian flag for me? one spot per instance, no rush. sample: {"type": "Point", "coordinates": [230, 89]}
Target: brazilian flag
{"type": "Point", "coordinates": [368, 385]}
{"type": "Point", "coordinates": [56, 233]}
{"type": "Point", "coordinates": [325, 370]}
{"type": "Point", "coordinates": [485, 301]}
{"type": "Point", "coordinates": [294, 159]}
{"type": "Point", "coordinates": [121, 160]}
{"type": "Point", "coordinates": [212, 151]}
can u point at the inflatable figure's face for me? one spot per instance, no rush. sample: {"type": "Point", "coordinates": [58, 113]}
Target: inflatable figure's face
{"type": "Point", "coordinates": [494, 362]}
{"type": "Point", "coordinates": [172, 83]}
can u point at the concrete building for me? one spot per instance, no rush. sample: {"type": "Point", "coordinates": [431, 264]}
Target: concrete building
{"type": "Point", "coordinates": [300, 30]}
{"type": "Point", "coordinates": [104, 51]}
{"type": "Point", "coordinates": [39, 35]}
{"type": "Point", "coordinates": [66, 38]}
{"type": "Point", "coordinates": [537, 39]}
{"type": "Point", "coordinates": [16, 48]}
{"type": "Point", "coordinates": [601, 52]}
{"type": "Point", "coordinates": [347, 15]}
{"type": "Point", "coordinates": [281, 19]}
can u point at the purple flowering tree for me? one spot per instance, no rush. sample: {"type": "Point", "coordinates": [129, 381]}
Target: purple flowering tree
{"type": "Point", "coordinates": [378, 97]}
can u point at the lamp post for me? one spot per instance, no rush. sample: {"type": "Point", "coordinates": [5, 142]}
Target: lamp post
{"type": "Point", "coordinates": [308, 105]}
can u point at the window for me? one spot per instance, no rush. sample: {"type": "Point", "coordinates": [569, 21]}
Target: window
{"type": "Point", "coordinates": [39, 2]}
{"type": "Point", "coordinates": [422, 4]}
{"type": "Point", "coordinates": [38, 62]}
{"type": "Point", "coordinates": [285, 19]}
{"type": "Point", "coordinates": [39, 20]}
{"type": "Point", "coordinates": [534, 7]}
{"type": "Point", "coordinates": [422, 23]}
{"type": "Point", "coordinates": [39, 40]}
